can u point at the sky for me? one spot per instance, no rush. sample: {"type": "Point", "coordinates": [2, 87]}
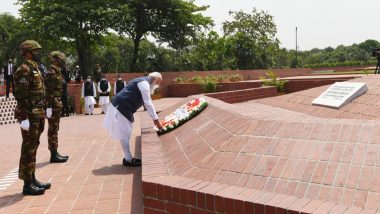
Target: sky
{"type": "Point", "coordinates": [321, 23]}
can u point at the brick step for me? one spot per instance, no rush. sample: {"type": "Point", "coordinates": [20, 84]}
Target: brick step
{"type": "Point", "coordinates": [8, 122]}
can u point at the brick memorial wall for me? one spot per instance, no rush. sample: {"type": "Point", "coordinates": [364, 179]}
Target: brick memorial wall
{"type": "Point", "coordinates": [2, 90]}
{"type": "Point", "coordinates": [168, 77]}
{"type": "Point", "coordinates": [185, 90]}
{"type": "Point", "coordinates": [238, 96]}
{"type": "Point", "coordinates": [74, 91]}
{"type": "Point", "coordinates": [261, 159]}
{"type": "Point", "coordinates": [294, 85]}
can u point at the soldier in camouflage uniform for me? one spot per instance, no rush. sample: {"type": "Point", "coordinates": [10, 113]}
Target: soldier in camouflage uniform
{"type": "Point", "coordinates": [30, 94]}
{"type": "Point", "coordinates": [53, 83]}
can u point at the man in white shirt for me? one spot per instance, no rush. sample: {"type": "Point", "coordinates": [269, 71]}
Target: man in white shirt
{"type": "Point", "coordinates": [119, 117]}
{"type": "Point", "coordinates": [89, 94]}
{"type": "Point", "coordinates": [119, 85]}
{"type": "Point", "coordinates": [8, 76]}
{"type": "Point", "coordinates": [104, 88]}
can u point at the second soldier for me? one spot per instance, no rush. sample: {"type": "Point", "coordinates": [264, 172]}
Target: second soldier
{"type": "Point", "coordinates": [53, 84]}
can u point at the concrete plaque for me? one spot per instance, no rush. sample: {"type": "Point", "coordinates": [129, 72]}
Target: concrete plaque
{"type": "Point", "coordinates": [340, 94]}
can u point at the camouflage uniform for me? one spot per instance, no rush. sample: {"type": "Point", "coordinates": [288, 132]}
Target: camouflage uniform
{"type": "Point", "coordinates": [30, 94]}
{"type": "Point", "coordinates": [53, 83]}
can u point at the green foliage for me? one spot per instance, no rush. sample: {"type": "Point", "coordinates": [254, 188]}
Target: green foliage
{"type": "Point", "coordinates": [82, 29]}
{"type": "Point", "coordinates": [180, 80]}
{"type": "Point", "coordinates": [222, 78]}
{"type": "Point", "coordinates": [254, 38]}
{"type": "Point", "coordinates": [272, 80]}
{"type": "Point", "coordinates": [197, 79]}
{"type": "Point", "coordinates": [209, 86]}
{"type": "Point", "coordinates": [78, 23]}
{"type": "Point", "coordinates": [171, 21]}
{"type": "Point", "coordinates": [235, 77]}
{"type": "Point", "coordinates": [10, 28]}
{"type": "Point", "coordinates": [210, 78]}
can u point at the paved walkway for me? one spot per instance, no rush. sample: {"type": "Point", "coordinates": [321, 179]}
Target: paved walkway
{"type": "Point", "coordinates": [92, 181]}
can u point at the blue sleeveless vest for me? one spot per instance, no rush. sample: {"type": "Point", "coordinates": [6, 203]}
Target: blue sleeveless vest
{"type": "Point", "coordinates": [129, 100]}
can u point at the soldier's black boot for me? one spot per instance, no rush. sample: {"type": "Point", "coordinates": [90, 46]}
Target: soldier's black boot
{"type": "Point", "coordinates": [62, 156]}
{"type": "Point", "coordinates": [40, 184]}
{"type": "Point", "coordinates": [55, 157]}
{"type": "Point", "coordinates": [31, 189]}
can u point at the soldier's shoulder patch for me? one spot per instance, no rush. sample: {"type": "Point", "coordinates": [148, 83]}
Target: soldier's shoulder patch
{"type": "Point", "coordinates": [51, 71]}
{"type": "Point", "coordinates": [23, 80]}
{"type": "Point", "coordinates": [23, 69]}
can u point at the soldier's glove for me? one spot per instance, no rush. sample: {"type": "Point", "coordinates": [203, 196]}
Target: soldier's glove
{"type": "Point", "coordinates": [25, 125]}
{"type": "Point", "coordinates": [49, 112]}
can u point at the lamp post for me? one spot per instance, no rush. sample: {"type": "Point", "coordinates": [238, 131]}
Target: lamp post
{"type": "Point", "coordinates": [296, 47]}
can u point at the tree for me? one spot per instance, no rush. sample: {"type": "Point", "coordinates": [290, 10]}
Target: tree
{"type": "Point", "coordinates": [254, 36]}
{"type": "Point", "coordinates": [79, 23]}
{"type": "Point", "coordinates": [9, 27]}
{"type": "Point", "coordinates": [171, 21]}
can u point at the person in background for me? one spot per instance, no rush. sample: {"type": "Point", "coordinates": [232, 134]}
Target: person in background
{"type": "Point", "coordinates": [98, 73]}
{"type": "Point", "coordinates": [119, 84]}
{"type": "Point", "coordinates": [77, 75]}
{"type": "Point", "coordinates": [104, 88]}
{"type": "Point", "coordinates": [89, 94]}
{"type": "Point", "coordinates": [119, 117]}
{"type": "Point", "coordinates": [53, 83]}
{"type": "Point", "coordinates": [8, 76]}
{"type": "Point", "coordinates": [1, 75]}
{"type": "Point", "coordinates": [66, 79]}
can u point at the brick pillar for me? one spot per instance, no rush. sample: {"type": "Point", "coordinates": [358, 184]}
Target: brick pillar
{"type": "Point", "coordinates": [74, 91]}
{"type": "Point", "coordinates": [2, 90]}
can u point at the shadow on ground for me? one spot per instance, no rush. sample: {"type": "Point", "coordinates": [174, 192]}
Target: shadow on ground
{"type": "Point", "coordinates": [116, 169]}
{"type": "Point", "coordinates": [42, 165]}
{"type": "Point", "coordinates": [8, 200]}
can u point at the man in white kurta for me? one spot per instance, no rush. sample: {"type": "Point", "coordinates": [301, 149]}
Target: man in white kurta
{"type": "Point", "coordinates": [104, 88]}
{"type": "Point", "coordinates": [89, 94]}
{"type": "Point", "coordinates": [119, 117]}
{"type": "Point", "coordinates": [118, 85]}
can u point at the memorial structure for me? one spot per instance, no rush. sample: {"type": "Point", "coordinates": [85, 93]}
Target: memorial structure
{"type": "Point", "coordinates": [341, 93]}
{"type": "Point", "coordinates": [275, 155]}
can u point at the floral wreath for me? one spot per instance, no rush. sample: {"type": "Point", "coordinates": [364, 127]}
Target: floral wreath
{"type": "Point", "coordinates": [181, 115]}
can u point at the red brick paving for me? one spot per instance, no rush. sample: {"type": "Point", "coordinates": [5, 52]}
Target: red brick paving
{"type": "Point", "coordinates": [92, 181]}
{"type": "Point", "coordinates": [277, 150]}
{"type": "Point", "coordinates": [365, 107]}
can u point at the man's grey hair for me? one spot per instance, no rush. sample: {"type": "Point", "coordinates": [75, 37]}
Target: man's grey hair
{"type": "Point", "coordinates": [155, 75]}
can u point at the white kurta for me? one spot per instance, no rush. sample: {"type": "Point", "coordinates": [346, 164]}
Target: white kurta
{"type": "Point", "coordinates": [119, 127]}
{"type": "Point", "coordinates": [104, 100]}
{"type": "Point", "coordinates": [114, 86]}
{"type": "Point", "coordinates": [89, 101]}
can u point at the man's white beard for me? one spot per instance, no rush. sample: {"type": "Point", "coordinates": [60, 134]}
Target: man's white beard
{"type": "Point", "coordinates": [153, 87]}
